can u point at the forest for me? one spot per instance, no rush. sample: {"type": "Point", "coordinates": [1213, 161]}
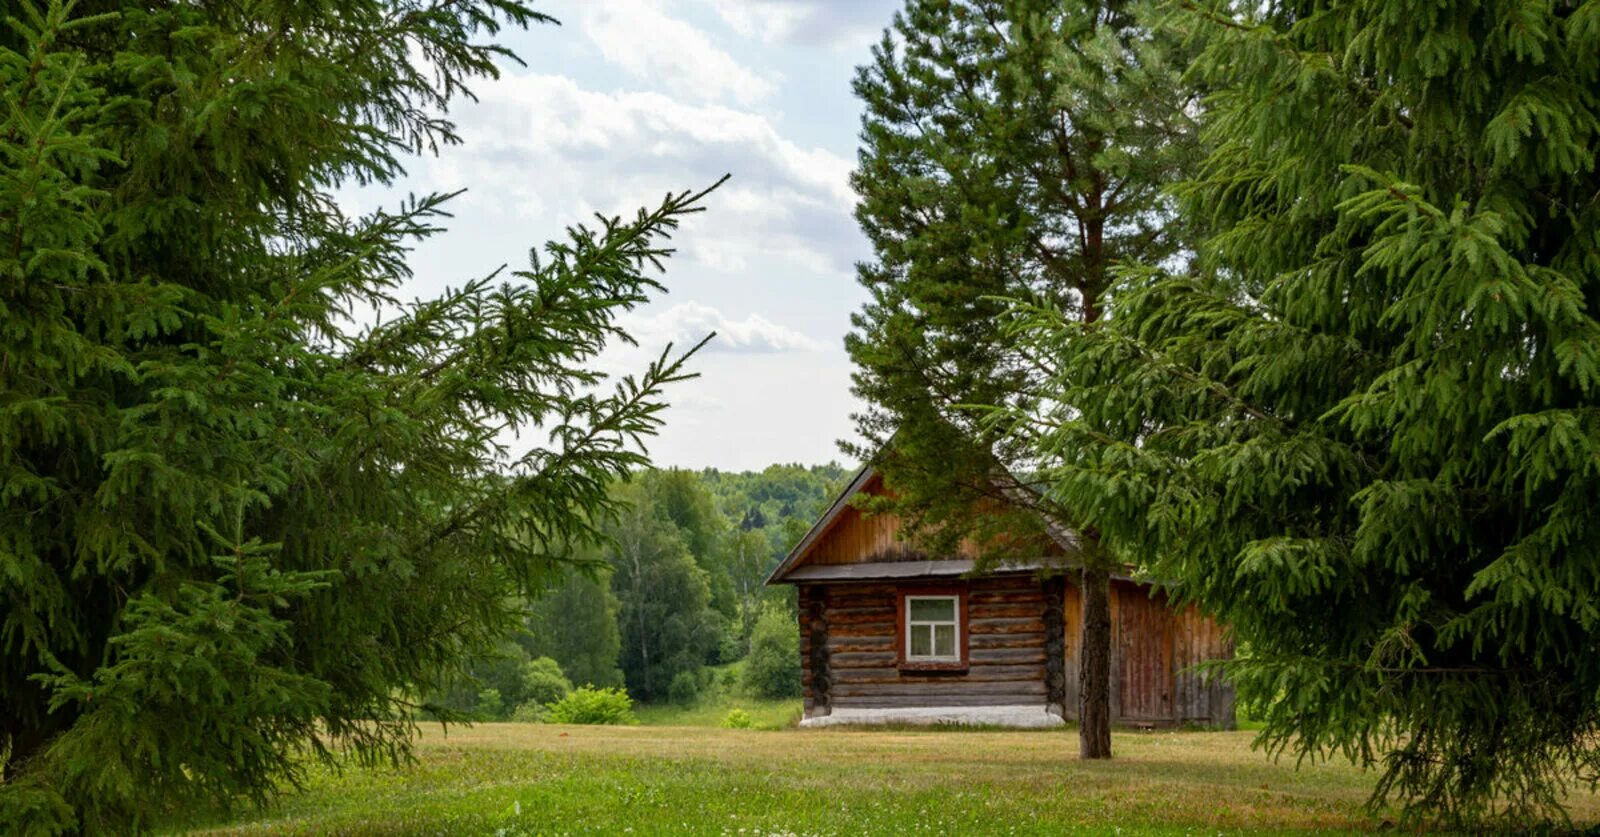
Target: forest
{"type": "Point", "coordinates": [676, 587]}
{"type": "Point", "coordinates": [1288, 311]}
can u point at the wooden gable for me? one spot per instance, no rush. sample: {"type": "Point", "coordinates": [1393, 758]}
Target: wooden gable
{"type": "Point", "coordinates": [845, 535]}
{"type": "Point", "coordinates": [853, 537]}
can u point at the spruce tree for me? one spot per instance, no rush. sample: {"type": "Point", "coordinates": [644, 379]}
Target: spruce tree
{"type": "Point", "coordinates": [1366, 435]}
{"type": "Point", "coordinates": [1010, 148]}
{"type": "Point", "coordinates": [237, 526]}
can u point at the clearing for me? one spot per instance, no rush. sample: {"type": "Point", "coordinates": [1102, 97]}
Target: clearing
{"type": "Point", "coordinates": [548, 779]}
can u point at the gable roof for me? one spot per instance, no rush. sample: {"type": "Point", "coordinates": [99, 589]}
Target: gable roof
{"type": "Point", "coordinates": [823, 524]}
{"type": "Point", "coordinates": [795, 567]}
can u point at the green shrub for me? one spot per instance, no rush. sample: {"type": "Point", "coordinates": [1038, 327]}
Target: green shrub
{"type": "Point", "coordinates": [728, 679]}
{"type": "Point", "coordinates": [686, 686]}
{"type": "Point", "coordinates": [773, 667]}
{"type": "Point", "coordinates": [490, 706]}
{"type": "Point", "coordinates": [530, 713]}
{"type": "Point", "coordinates": [738, 719]}
{"type": "Point", "coordinates": [543, 682]}
{"type": "Point", "coordinates": [588, 705]}
{"type": "Point", "coordinates": [730, 642]}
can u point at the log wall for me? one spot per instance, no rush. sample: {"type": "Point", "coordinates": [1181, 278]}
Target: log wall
{"type": "Point", "coordinates": [1024, 640]}
{"type": "Point", "coordinates": [1006, 649]}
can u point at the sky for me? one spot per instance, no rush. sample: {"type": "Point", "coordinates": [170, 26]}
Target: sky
{"type": "Point", "coordinates": [628, 100]}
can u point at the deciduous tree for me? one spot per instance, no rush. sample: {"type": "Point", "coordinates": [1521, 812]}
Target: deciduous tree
{"type": "Point", "coordinates": [576, 624]}
{"type": "Point", "coordinates": [665, 618]}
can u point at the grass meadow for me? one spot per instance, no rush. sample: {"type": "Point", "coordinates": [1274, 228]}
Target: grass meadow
{"type": "Point", "coordinates": [515, 779]}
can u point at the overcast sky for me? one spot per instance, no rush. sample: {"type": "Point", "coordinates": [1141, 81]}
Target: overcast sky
{"type": "Point", "coordinates": [630, 99]}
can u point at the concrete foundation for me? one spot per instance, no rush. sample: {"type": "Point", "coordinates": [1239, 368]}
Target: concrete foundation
{"type": "Point", "coordinates": [1036, 716]}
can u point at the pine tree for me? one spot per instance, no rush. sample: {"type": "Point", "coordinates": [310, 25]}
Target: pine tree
{"type": "Point", "coordinates": [1366, 437]}
{"type": "Point", "coordinates": [235, 526]}
{"type": "Point", "coordinates": [1011, 148]}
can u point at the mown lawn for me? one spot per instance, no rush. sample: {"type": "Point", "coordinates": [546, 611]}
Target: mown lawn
{"type": "Point", "coordinates": [537, 779]}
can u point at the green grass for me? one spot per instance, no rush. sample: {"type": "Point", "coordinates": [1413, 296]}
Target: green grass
{"type": "Point", "coordinates": [723, 696]}
{"type": "Point", "coordinates": [766, 714]}
{"type": "Point", "coordinates": [537, 779]}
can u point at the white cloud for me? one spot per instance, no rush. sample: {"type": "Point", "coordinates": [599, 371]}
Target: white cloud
{"type": "Point", "coordinates": [839, 24]}
{"type": "Point", "coordinates": [748, 411]}
{"type": "Point", "coordinates": [542, 151]}
{"type": "Point", "coordinates": [649, 45]}
{"type": "Point", "coordinates": [687, 323]}
{"type": "Point", "coordinates": [768, 266]}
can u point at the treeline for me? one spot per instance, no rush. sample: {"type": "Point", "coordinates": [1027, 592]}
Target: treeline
{"type": "Point", "coordinates": [678, 587]}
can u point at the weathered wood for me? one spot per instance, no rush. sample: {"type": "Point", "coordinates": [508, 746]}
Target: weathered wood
{"type": "Point", "coordinates": [988, 656]}
{"type": "Point", "coordinates": [1055, 645]}
{"type": "Point", "coordinates": [1027, 610]}
{"type": "Point", "coordinates": [953, 688]}
{"type": "Point", "coordinates": [865, 629]}
{"type": "Point", "coordinates": [1005, 597]}
{"type": "Point", "coordinates": [863, 659]}
{"type": "Point", "coordinates": [803, 609]}
{"type": "Point", "coordinates": [985, 641]}
{"type": "Point", "coordinates": [855, 537]}
{"type": "Point", "coordinates": [994, 656]}
{"type": "Point", "coordinates": [974, 674]}
{"type": "Point", "coordinates": [1144, 639]}
{"type": "Point", "coordinates": [838, 644]}
{"type": "Point", "coordinates": [849, 597]}
{"type": "Point", "coordinates": [878, 605]}
{"type": "Point", "coordinates": [861, 616]}
{"type": "Point", "coordinates": [821, 659]}
{"type": "Point", "coordinates": [1072, 628]}
{"type": "Point", "coordinates": [1027, 625]}
{"type": "Point", "coordinates": [1199, 696]}
{"type": "Point", "coordinates": [1018, 630]}
{"type": "Point", "coordinates": [1015, 581]}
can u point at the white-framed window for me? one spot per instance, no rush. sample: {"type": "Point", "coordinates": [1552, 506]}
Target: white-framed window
{"type": "Point", "coordinates": [933, 629]}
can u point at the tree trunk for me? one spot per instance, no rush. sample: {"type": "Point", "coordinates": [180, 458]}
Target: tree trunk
{"type": "Point", "coordinates": [1094, 668]}
{"type": "Point", "coordinates": [1094, 673]}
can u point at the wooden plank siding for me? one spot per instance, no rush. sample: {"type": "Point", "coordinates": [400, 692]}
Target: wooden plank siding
{"type": "Point", "coordinates": [856, 538]}
{"type": "Point", "coordinates": [1155, 652]}
{"type": "Point", "coordinates": [1143, 636]}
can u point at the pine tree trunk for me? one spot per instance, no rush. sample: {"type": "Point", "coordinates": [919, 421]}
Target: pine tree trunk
{"type": "Point", "coordinates": [1094, 657]}
{"type": "Point", "coordinates": [1094, 674]}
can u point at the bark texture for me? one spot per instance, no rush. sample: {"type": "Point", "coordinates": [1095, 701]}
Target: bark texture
{"type": "Point", "coordinates": [1094, 674]}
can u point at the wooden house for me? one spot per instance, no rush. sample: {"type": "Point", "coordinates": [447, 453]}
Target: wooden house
{"type": "Point", "coordinates": [888, 635]}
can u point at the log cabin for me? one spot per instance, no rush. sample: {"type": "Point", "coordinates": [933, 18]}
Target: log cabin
{"type": "Point", "coordinates": [888, 635]}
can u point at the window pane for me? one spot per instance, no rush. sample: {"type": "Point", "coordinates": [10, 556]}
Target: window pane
{"type": "Point", "coordinates": [921, 641]}
{"type": "Point", "coordinates": [933, 610]}
{"type": "Point", "coordinates": [944, 640]}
